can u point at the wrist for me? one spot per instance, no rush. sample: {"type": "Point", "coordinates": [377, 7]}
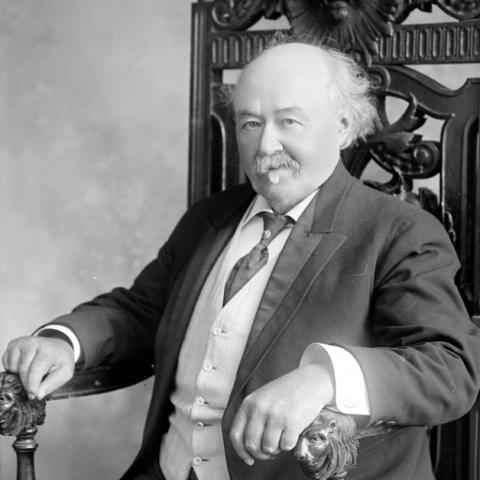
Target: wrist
{"type": "Point", "coordinates": [321, 376]}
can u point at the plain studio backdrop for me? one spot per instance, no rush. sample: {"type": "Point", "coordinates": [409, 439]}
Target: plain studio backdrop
{"type": "Point", "coordinates": [93, 169]}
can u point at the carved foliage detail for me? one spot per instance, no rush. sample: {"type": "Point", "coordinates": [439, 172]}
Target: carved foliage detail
{"type": "Point", "coordinates": [460, 9]}
{"type": "Point", "coordinates": [353, 26]}
{"type": "Point", "coordinates": [397, 146]}
{"type": "Point", "coordinates": [17, 412]}
{"type": "Point", "coordinates": [241, 14]}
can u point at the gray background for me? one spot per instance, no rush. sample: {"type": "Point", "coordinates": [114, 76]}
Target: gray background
{"type": "Point", "coordinates": [93, 165]}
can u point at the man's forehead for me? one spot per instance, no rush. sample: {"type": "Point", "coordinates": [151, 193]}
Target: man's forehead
{"type": "Point", "coordinates": [293, 58]}
{"type": "Point", "coordinates": [284, 75]}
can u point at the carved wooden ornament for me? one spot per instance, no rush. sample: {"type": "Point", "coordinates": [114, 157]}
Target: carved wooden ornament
{"type": "Point", "coordinates": [17, 412]}
{"type": "Point", "coordinates": [327, 449]}
{"type": "Point", "coordinates": [353, 26]}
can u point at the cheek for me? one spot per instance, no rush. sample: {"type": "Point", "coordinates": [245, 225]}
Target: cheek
{"type": "Point", "coordinates": [247, 147]}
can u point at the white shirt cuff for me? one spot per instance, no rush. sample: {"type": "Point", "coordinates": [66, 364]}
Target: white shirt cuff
{"type": "Point", "coordinates": [68, 333]}
{"type": "Point", "coordinates": [351, 395]}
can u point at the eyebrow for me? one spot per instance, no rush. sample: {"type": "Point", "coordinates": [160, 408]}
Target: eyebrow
{"type": "Point", "coordinates": [292, 110]}
{"type": "Point", "coordinates": [280, 111]}
{"type": "Point", "coordinates": [245, 113]}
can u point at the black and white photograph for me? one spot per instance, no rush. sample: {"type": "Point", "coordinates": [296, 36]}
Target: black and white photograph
{"type": "Point", "coordinates": [240, 240]}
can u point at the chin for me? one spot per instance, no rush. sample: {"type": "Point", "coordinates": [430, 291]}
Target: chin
{"type": "Point", "coordinates": [278, 196]}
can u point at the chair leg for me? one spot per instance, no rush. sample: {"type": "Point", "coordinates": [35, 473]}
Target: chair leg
{"type": "Point", "coordinates": [25, 446]}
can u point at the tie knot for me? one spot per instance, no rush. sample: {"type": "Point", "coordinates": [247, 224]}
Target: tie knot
{"type": "Point", "coordinates": [272, 225]}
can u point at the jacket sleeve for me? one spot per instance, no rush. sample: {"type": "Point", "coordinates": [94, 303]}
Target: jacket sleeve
{"type": "Point", "coordinates": [425, 368]}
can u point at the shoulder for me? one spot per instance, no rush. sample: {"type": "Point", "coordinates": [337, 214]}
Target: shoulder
{"type": "Point", "coordinates": [390, 228]}
{"type": "Point", "coordinates": [222, 204]}
{"type": "Point", "coordinates": [379, 210]}
{"type": "Point", "coordinates": [215, 210]}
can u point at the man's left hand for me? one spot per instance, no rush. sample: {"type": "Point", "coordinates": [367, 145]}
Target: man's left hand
{"type": "Point", "coordinates": [271, 418]}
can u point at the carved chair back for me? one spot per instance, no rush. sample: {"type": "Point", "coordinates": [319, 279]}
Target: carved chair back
{"type": "Point", "coordinates": [373, 31]}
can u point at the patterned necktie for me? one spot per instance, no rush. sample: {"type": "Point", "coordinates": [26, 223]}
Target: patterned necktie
{"type": "Point", "coordinates": [247, 266]}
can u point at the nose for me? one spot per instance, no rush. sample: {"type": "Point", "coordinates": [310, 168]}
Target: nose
{"type": "Point", "coordinates": [269, 141]}
{"type": "Point", "coordinates": [300, 449]}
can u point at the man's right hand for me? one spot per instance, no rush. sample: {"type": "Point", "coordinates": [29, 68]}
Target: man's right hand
{"type": "Point", "coordinates": [44, 364]}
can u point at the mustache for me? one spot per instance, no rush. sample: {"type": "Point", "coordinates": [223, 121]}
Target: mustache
{"type": "Point", "coordinates": [278, 160]}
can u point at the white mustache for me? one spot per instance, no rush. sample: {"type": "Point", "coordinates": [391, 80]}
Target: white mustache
{"type": "Point", "coordinates": [272, 162]}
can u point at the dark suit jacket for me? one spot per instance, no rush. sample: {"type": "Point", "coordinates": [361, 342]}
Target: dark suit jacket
{"type": "Point", "coordinates": [361, 270]}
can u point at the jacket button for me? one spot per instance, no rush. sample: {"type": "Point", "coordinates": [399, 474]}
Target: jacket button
{"type": "Point", "coordinates": [197, 461]}
{"type": "Point", "coordinates": [199, 401]}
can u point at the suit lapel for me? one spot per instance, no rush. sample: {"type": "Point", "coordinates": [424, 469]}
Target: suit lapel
{"type": "Point", "coordinates": [295, 271]}
{"type": "Point", "coordinates": [217, 232]}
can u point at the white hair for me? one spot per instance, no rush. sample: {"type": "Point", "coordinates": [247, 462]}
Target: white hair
{"type": "Point", "coordinates": [350, 87]}
{"type": "Point", "coordinates": [351, 90]}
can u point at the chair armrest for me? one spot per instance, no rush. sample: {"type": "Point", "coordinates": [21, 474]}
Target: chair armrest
{"type": "Point", "coordinates": [18, 413]}
{"type": "Point", "coordinates": [102, 379]}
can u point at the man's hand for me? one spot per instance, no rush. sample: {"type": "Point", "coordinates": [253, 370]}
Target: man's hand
{"type": "Point", "coordinates": [44, 364]}
{"type": "Point", "coordinates": [271, 419]}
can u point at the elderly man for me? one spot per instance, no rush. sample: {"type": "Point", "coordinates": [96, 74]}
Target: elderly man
{"type": "Point", "coordinates": [266, 305]}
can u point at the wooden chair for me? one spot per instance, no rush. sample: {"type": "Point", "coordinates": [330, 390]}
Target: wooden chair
{"type": "Point", "coordinates": [222, 40]}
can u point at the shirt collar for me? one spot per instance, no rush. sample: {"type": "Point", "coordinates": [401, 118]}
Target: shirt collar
{"type": "Point", "coordinates": [260, 204]}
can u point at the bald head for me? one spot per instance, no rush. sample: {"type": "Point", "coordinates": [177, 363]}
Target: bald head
{"type": "Point", "coordinates": [291, 64]}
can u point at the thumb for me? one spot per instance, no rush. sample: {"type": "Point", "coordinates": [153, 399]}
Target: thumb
{"type": "Point", "coordinates": [55, 379]}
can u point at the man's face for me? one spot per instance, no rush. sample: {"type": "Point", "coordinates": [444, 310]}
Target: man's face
{"type": "Point", "coordinates": [288, 129]}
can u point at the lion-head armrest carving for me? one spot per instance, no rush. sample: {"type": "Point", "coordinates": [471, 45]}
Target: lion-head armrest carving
{"type": "Point", "coordinates": [17, 412]}
{"type": "Point", "coordinates": [327, 449]}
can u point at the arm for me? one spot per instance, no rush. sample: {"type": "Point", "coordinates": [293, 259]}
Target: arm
{"type": "Point", "coordinates": [425, 369]}
{"type": "Point", "coordinates": [115, 327]}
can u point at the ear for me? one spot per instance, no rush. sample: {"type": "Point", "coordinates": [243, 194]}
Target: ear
{"type": "Point", "coordinates": [332, 426]}
{"type": "Point", "coordinates": [344, 131]}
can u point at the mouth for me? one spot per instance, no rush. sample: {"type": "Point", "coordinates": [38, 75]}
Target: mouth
{"type": "Point", "coordinates": [274, 174]}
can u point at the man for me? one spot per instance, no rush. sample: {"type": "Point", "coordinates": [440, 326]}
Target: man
{"type": "Point", "coordinates": [351, 304]}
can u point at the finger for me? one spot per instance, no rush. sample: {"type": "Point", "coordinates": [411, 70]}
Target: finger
{"type": "Point", "coordinates": [237, 434]}
{"type": "Point", "coordinates": [55, 379]}
{"type": "Point", "coordinates": [10, 359]}
{"type": "Point", "coordinates": [271, 438]}
{"type": "Point", "coordinates": [252, 438]}
{"type": "Point", "coordinates": [24, 363]}
{"type": "Point", "coordinates": [39, 367]}
{"type": "Point", "coordinates": [289, 438]}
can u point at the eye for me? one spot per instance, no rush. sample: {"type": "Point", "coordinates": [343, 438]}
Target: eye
{"type": "Point", "coordinates": [250, 125]}
{"type": "Point", "coordinates": [317, 437]}
{"type": "Point", "coordinates": [289, 122]}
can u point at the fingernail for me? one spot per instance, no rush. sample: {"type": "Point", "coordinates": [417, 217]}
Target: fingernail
{"type": "Point", "coordinates": [249, 461]}
{"type": "Point", "coordinates": [31, 396]}
{"type": "Point", "coordinates": [41, 394]}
